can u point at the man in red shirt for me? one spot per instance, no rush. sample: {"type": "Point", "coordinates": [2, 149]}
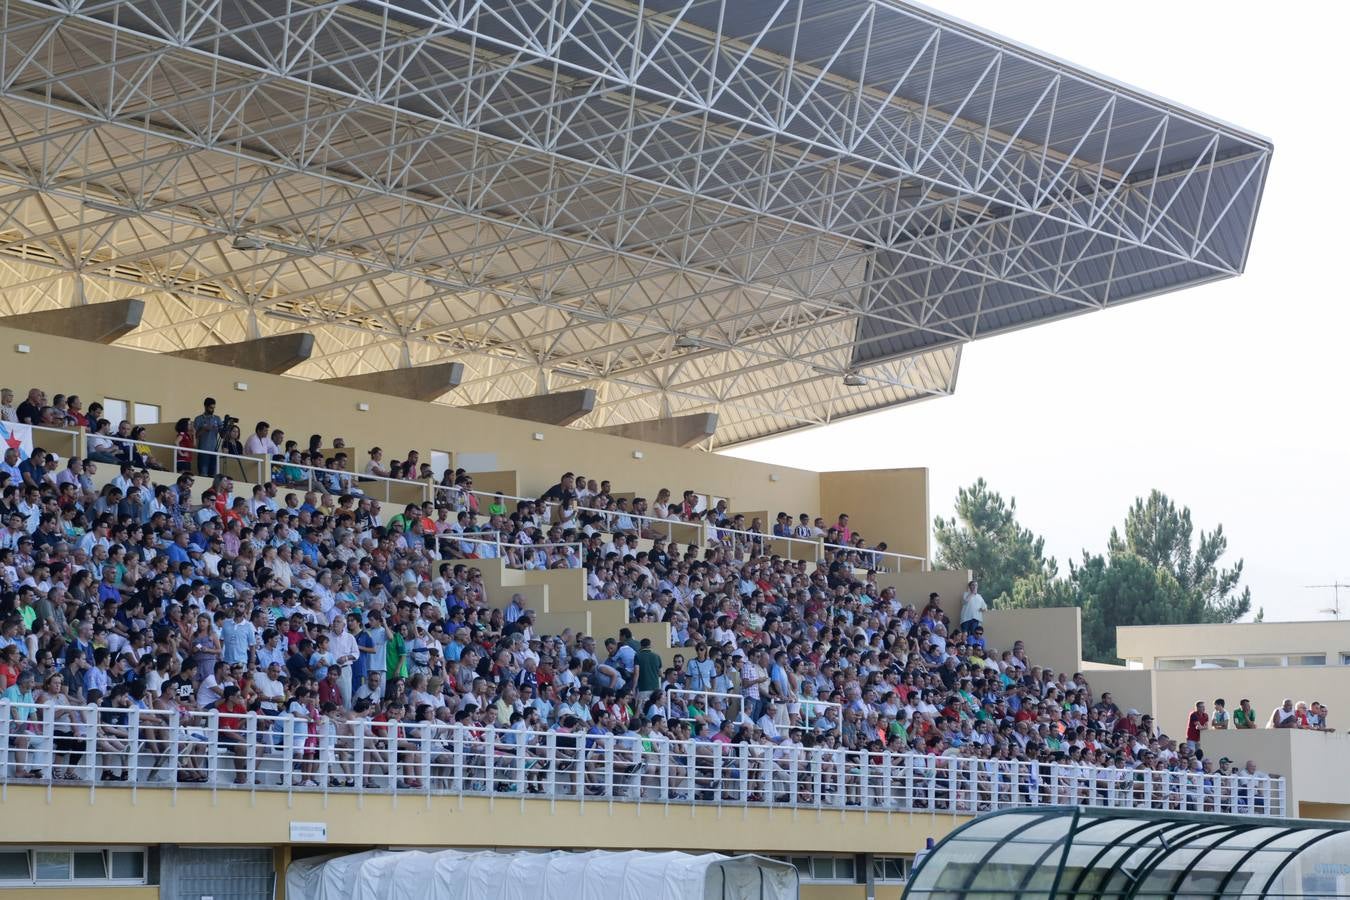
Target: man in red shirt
{"type": "Point", "coordinates": [1128, 723]}
{"type": "Point", "coordinates": [1197, 722]}
{"type": "Point", "coordinates": [330, 691]}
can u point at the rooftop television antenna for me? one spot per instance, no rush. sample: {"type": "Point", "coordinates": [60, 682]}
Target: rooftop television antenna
{"type": "Point", "coordinates": [1335, 587]}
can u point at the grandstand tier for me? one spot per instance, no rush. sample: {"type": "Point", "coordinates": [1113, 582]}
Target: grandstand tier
{"type": "Point", "coordinates": [565, 670]}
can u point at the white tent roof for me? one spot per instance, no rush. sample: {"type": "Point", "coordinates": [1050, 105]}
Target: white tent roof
{"type": "Point", "coordinates": [558, 875]}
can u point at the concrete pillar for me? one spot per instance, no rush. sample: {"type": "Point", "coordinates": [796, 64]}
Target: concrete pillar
{"type": "Point", "coordinates": [562, 408]}
{"type": "Point", "coordinates": [101, 323]}
{"type": "Point", "coordinates": [424, 383]}
{"type": "Point", "coordinates": [676, 431]}
{"type": "Point", "coordinates": [274, 355]}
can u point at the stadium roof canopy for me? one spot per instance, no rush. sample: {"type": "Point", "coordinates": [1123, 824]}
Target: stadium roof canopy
{"type": "Point", "coordinates": [1060, 852]}
{"type": "Point", "coordinates": [688, 205]}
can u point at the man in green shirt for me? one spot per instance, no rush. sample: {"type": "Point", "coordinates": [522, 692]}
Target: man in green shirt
{"type": "Point", "coordinates": [648, 665]}
{"type": "Point", "coordinates": [396, 655]}
{"type": "Point", "coordinates": [1244, 716]}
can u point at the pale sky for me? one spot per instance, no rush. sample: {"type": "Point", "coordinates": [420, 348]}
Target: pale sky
{"type": "Point", "coordinates": [1231, 397]}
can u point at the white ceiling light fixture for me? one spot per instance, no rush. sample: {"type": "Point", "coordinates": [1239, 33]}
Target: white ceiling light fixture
{"type": "Point", "coordinates": [687, 342]}
{"type": "Point", "coordinates": [245, 242]}
{"type": "Point", "coordinates": [853, 379]}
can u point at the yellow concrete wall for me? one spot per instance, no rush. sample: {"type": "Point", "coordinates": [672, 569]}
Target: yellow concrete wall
{"type": "Point", "coordinates": [888, 505]}
{"type": "Point", "coordinates": [913, 588]}
{"type": "Point", "coordinates": [155, 816]}
{"type": "Point", "coordinates": [302, 407]}
{"type": "Point", "coordinates": [1052, 636]}
{"type": "Point", "coordinates": [1128, 687]}
{"type": "Point", "coordinates": [1313, 761]}
{"type": "Point", "coordinates": [1149, 642]}
{"type": "Point", "coordinates": [849, 891]}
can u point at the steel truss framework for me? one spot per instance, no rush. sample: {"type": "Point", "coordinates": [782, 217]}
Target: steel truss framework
{"type": "Point", "coordinates": [704, 205]}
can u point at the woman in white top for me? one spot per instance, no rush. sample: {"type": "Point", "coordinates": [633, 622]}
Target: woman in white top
{"type": "Point", "coordinates": [661, 505]}
{"type": "Point", "coordinates": [374, 466]}
{"type": "Point", "coordinates": [569, 517]}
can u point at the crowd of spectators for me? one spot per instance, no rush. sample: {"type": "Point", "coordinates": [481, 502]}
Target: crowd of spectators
{"type": "Point", "coordinates": [1289, 714]}
{"type": "Point", "coordinates": [310, 605]}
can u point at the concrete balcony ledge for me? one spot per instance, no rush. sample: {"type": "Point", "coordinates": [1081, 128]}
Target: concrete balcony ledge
{"type": "Point", "coordinates": [1313, 761]}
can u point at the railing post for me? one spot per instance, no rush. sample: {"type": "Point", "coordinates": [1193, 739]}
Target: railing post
{"type": "Point", "coordinates": [288, 751]}
{"type": "Point", "coordinates": [391, 753]}
{"type": "Point", "coordinates": [428, 742]}
{"type": "Point", "coordinates": [663, 784]}
{"type": "Point", "coordinates": [175, 737]}
{"type": "Point", "coordinates": [609, 766]}
{"type": "Point", "coordinates": [551, 763]}
{"type": "Point", "coordinates": [49, 739]}
{"type": "Point", "coordinates": [518, 782]}
{"type": "Point", "coordinates": [359, 755]}
{"type": "Point", "coordinates": [4, 741]}
{"type": "Point", "coordinates": [90, 714]}
{"type": "Point", "coordinates": [794, 776]}
{"type": "Point", "coordinates": [212, 748]}
{"type": "Point", "coordinates": [250, 747]}
{"type": "Point", "coordinates": [490, 758]}
{"type": "Point", "coordinates": [133, 745]}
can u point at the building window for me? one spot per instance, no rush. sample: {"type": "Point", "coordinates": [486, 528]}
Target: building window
{"type": "Point", "coordinates": [114, 410]}
{"type": "Point", "coordinates": [61, 865]}
{"type": "Point", "coordinates": [145, 414]}
{"type": "Point", "coordinates": [1263, 661]}
{"type": "Point", "coordinates": [830, 868]}
{"type": "Point", "coordinates": [440, 461]}
{"type": "Point", "coordinates": [889, 868]}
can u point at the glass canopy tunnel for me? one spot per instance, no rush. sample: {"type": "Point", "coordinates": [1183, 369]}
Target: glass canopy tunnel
{"type": "Point", "coordinates": [1068, 852]}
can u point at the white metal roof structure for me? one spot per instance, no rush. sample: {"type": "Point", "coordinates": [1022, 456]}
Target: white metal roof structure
{"type": "Point", "coordinates": [525, 875]}
{"type": "Point", "coordinates": [687, 205]}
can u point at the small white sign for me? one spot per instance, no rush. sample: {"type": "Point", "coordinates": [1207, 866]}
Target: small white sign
{"type": "Point", "coordinates": [309, 833]}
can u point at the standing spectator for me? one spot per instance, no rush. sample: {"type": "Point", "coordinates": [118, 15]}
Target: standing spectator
{"type": "Point", "coordinates": [648, 664]}
{"type": "Point", "coordinates": [7, 412]}
{"type": "Point", "coordinates": [183, 440]}
{"type": "Point", "coordinates": [1244, 716]}
{"type": "Point", "coordinates": [1196, 722]}
{"type": "Point", "coordinates": [972, 607]}
{"type": "Point", "coordinates": [207, 430]}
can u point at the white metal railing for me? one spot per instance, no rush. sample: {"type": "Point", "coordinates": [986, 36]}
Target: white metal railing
{"type": "Point", "coordinates": [133, 748]}
{"type": "Point", "coordinates": [665, 528]}
{"type": "Point", "coordinates": [809, 708]}
{"type": "Point", "coordinates": [264, 468]}
{"type": "Point", "coordinates": [649, 526]}
{"type": "Point", "coordinates": [316, 478]}
{"type": "Point", "coordinates": [517, 555]}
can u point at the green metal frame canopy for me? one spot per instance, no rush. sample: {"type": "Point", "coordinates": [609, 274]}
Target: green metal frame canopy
{"type": "Point", "coordinates": [1063, 852]}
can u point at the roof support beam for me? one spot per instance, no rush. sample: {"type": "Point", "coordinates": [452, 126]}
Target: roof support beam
{"type": "Point", "coordinates": [425, 383]}
{"type": "Point", "coordinates": [674, 431]}
{"type": "Point", "coordinates": [562, 408]}
{"type": "Point", "coordinates": [274, 355]}
{"type": "Point", "coordinates": [102, 323]}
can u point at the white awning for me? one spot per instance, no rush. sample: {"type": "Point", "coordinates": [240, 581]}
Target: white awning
{"type": "Point", "coordinates": [557, 875]}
